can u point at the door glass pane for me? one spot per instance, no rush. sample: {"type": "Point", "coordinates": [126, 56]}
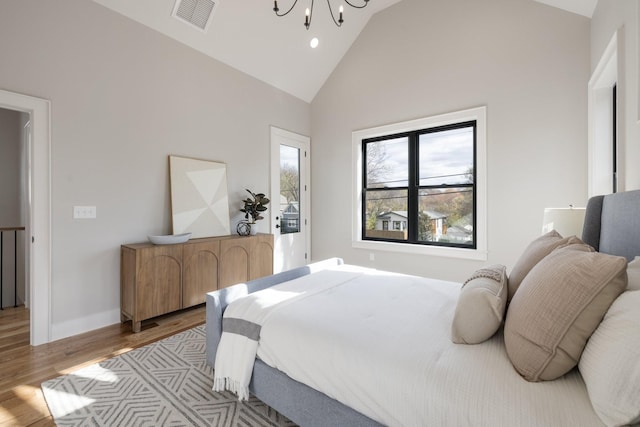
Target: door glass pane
{"type": "Point", "coordinates": [386, 214]}
{"type": "Point", "coordinates": [289, 189]}
{"type": "Point", "coordinates": [446, 157]}
{"type": "Point", "coordinates": [388, 163]}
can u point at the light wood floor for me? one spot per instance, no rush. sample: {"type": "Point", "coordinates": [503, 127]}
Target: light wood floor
{"type": "Point", "coordinates": [23, 368]}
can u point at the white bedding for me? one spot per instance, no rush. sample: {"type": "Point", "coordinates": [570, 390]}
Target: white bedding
{"type": "Point", "coordinates": [381, 344]}
{"type": "Point", "coordinates": [244, 318]}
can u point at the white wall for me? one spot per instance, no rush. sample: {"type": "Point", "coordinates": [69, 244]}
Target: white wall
{"type": "Point", "coordinates": [608, 17]}
{"type": "Point", "coordinates": [527, 62]}
{"type": "Point", "coordinates": [123, 98]}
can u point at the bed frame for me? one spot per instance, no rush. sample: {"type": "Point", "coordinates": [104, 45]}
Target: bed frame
{"type": "Point", "coordinates": [612, 225]}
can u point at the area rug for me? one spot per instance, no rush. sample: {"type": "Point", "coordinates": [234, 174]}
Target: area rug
{"type": "Point", "coordinates": [167, 383]}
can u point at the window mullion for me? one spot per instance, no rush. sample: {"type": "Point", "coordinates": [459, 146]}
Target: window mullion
{"type": "Point", "coordinates": [412, 190]}
{"type": "Point", "coordinates": [363, 217]}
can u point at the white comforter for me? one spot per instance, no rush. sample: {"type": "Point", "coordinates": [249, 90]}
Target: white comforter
{"type": "Point", "coordinates": [244, 319]}
{"type": "Point", "coordinates": [380, 343]}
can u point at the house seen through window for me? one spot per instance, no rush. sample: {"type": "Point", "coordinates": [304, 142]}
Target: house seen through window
{"type": "Point", "coordinates": [419, 187]}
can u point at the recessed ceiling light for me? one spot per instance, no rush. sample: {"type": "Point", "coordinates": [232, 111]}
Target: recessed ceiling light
{"type": "Point", "coordinates": [314, 43]}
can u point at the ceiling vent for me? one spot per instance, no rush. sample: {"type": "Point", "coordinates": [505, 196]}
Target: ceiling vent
{"type": "Point", "coordinates": [195, 12]}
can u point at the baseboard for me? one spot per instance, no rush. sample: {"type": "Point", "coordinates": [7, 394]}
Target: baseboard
{"type": "Point", "coordinates": [85, 324]}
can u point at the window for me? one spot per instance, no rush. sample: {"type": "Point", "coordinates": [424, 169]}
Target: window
{"type": "Point", "coordinates": [424, 178]}
{"type": "Point", "coordinates": [289, 189]}
{"type": "Point", "coordinates": [427, 177]}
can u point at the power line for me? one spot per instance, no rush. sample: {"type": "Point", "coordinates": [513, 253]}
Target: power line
{"type": "Point", "coordinates": [371, 199]}
{"type": "Point", "coordinates": [421, 179]}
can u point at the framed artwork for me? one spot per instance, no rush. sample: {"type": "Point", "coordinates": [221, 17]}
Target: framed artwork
{"type": "Point", "coordinates": [199, 198]}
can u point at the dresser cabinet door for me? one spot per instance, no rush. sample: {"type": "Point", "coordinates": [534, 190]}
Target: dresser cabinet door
{"type": "Point", "coordinates": [159, 284]}
{"type": "Point", "coordinates": [261, 260]}
{"type": "Point", "coordinates": [234, 260]}
{"type": "Point", "coordinates": [201, 263]}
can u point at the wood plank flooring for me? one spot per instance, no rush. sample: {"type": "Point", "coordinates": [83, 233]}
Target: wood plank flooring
{"type": "Point", "coordinates": [23, 368]}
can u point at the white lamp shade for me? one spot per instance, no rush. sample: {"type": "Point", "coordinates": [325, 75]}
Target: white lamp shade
{"type": "Point", "coordinates": [566, 221]}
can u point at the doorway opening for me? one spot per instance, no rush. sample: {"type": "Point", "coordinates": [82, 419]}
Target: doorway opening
{"type": "Point", "coordinates": [14, 151]}
{"type": "Point", "coordinates": [34, 116]}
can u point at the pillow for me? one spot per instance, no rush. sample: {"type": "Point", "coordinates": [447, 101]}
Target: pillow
{"type": "Point", "coordinates": [538, 249]}
{"type": "Point", "coordinates": [558, 306]}
{"type": "Point", "coordinates": [610, 364]}
{"type": "Point", "coordinates": [633, 272]}
{"type": "Point", "coordinates": [481, 306]}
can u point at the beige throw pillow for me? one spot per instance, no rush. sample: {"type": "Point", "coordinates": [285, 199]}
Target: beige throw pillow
{"type": "Point", "coordinates": [481, 306]}
{"type": "Point", "coordinates": [610, 364]}
{"type": "Point", "coordinates": [633, 272]}
{"type": "Point", "coordinates": [536, 251]}
{"type": "Point", "coordinates": [558, 306]}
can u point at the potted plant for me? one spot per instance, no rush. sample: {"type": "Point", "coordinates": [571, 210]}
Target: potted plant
{"type": "Point", "coordinates": [253, 208]}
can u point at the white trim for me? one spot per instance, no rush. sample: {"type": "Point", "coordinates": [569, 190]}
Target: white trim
{"type": "Point", "coordinates": [478, 114]}
{"type": "Point", "coordinates": [40, 289]}
{"type": "Point", "coordinates": [303, 143]}
{"type": "Point", "coordinates": [600, 130]}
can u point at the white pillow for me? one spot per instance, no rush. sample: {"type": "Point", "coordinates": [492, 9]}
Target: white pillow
{"type": "Point", "coordinates": [633, 273]}
{"type": "Point", "coordinates": [610, 364]}
{"type": "Point", "coordinates": [481, 306]}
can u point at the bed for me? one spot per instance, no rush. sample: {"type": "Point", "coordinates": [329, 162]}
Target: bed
{"type": "Point", "coordinates": [435, 381]}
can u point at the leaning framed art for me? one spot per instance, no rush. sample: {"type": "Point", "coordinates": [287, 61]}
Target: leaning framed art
{"type": "Point", "coordinates": [199, 197]}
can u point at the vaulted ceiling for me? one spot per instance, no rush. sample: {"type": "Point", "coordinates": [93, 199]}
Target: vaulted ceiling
{"type": "Point", "coordinates": [246, 35]}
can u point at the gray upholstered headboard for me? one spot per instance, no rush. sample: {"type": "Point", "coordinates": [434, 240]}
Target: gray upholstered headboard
{"type": "Point", "coordinates": [612, 224]}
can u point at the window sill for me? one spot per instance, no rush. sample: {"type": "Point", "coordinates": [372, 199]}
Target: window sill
{"type": "Point", "coordinates": [460, 253]}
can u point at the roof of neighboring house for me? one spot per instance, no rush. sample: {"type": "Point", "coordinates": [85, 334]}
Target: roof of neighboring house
{"type": "Point", "coordinates": [435, 215]}
{"type": "Point", "coordinates": [292, 208]}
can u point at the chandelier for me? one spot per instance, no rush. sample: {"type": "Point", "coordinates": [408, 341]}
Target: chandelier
{"type": "Point", "coordinates": [308, 14]}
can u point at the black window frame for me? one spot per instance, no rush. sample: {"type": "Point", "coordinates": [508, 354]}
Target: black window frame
{"type": "Point", "coordinates": [614, 136]}
{"type": "Point", "coordinates": [413, 188]}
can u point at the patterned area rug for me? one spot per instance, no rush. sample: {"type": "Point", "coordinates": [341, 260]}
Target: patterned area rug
{"type": "Point", "coordinates": [167, 383]}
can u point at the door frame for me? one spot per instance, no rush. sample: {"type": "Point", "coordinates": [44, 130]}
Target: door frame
{"type": "Point", "coordinates": [38, 232]}
{"type": "Point", "coordinates": [602, 128]}
{"type": "Point", "coordinates": [277, 134]}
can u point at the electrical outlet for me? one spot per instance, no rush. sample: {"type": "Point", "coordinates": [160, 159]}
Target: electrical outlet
{"type": "Point", "coordinates": [372, 257]}
{"type": "Point", "coordinates": [84, 212]}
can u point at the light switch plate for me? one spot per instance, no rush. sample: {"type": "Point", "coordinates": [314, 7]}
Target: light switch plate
{"type": "Point", "coordinates": [84, 212]}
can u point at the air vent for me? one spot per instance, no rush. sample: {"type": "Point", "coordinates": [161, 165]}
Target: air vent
{"type": "Point", "coordinates": [195, 12]}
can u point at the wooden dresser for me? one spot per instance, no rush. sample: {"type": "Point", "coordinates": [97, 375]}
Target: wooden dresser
{"type": "Point", "coordinates": [159, 279]}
